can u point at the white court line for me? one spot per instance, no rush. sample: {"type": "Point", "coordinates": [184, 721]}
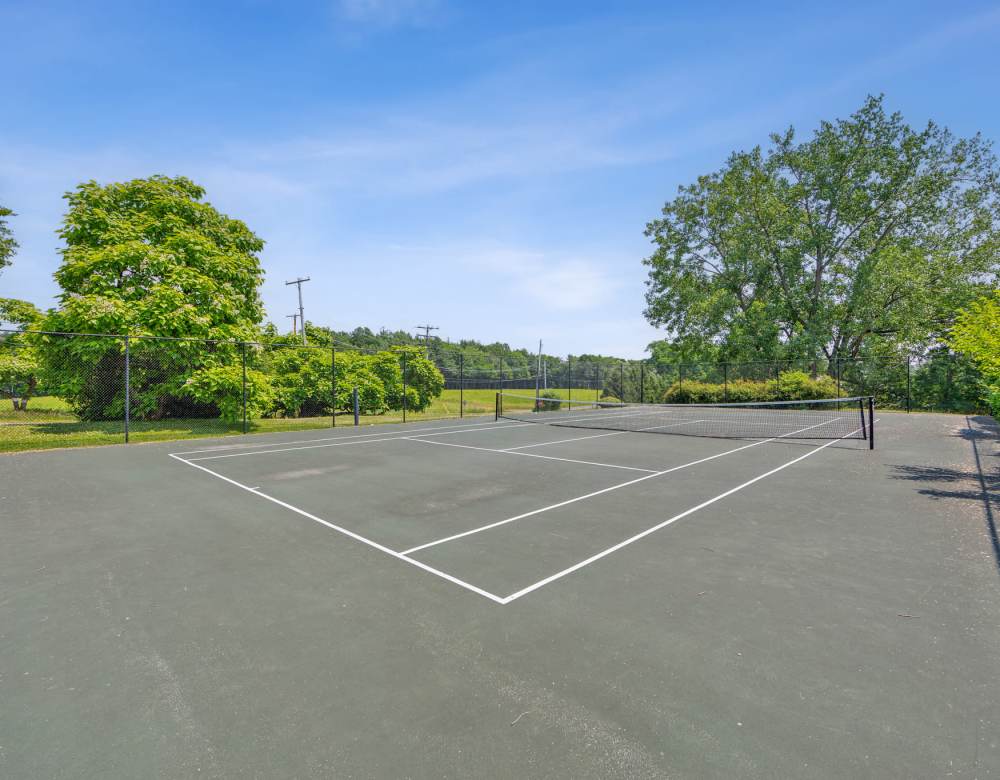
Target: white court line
{"type": "Point", "coordinates": [531, 455]}
{"type": "Point", "coordinates": [605, 490]}
{"type": "Point", "coordinates": [599, 435]}
{"type": "Point", "coordinates": [397, 437]}
{"type": "Point", "coordinates": [248, 445]}
{"type": "Point", "coordinates": [351, 534]}
{"type": "Point", "coordinates": [552, 578]}
{"type": "Point", "coordinates": [561, 441]}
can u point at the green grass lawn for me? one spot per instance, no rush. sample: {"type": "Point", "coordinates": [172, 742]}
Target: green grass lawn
{"type": "Point", "coordinates": [49, 422]}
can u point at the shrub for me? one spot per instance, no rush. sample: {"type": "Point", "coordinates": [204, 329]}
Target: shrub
{"type": "Point", "coordinates": [789, 386]}
{"type": "Point", "coordinates": [222, 387]}
{"type": "Point", "coordinates": [799, 386]}
{"type": "Point", "coordinates": [548, 401]}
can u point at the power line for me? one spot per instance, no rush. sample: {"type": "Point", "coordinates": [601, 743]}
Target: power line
{"type": "Point", "coordinates": [426, 335]}
{"type": "Point", "coordinates": [302, 313]}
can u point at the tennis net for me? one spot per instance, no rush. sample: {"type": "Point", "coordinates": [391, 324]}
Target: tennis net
{"type": "Point", "coordinates": [832, 418]}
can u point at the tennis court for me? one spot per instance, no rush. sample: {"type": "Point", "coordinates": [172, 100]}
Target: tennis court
{"type": "Point", "coordinates": [497, 597]}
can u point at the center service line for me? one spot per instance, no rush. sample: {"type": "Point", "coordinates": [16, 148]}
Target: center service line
{"type": "Point", "coordinates": [480, 529]}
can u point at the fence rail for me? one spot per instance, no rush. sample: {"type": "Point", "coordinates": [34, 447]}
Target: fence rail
{"type": "Point", "coordinates": [59, 389]}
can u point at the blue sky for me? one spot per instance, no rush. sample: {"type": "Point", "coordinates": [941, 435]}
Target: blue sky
{"type": "Point", "coordinates": [486, 167]}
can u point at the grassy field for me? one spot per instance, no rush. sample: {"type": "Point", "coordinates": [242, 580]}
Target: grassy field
{"type": "Point", "coordinates": [49, 422]}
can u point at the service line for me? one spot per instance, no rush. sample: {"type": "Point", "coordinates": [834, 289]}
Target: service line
{"type": "Point", "coordinates": [619, 486]}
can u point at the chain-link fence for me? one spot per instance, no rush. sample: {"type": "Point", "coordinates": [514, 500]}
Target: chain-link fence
{"type": "Point", "coordinates": [61, 389]}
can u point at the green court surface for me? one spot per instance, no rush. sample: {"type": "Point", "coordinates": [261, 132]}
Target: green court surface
{"type": "Point", "coordinates": [480, 598]}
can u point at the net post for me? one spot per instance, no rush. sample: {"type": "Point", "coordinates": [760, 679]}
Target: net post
{"type": "Point", "coordinates": [355, 404]}
{"type": "Point", "coordinates": [871, 422]}
{"type": "Point", "coordinates": [861, 409]}
{"type": "Point", "coordinates": [496, 413]}
{"type": "Point", "coordinates": [243, 360]}
{"type": "Point", "coordinates": [128, 385]}
{"type": "Point", "coordinates": [333, 383]}
{"type": "Point", "coordinates": [461, 384]}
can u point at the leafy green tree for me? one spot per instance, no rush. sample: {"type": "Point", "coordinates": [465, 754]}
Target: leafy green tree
{"type": "Point", "coordinates": [868, 234]}
{"type": "Point", "coordinates": [149, 257]}
{"type": "Point", "coordinates": [19, 364]}
{"type": "Point", "coordinates": [8, 246]}
{"type": "Point", "coordinates": [976, 334]}
{"type": "Point", "coordinates": [424, 381]}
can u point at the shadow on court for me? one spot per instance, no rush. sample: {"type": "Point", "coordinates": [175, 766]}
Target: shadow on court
{"type": "Point", "coordinates": [976, 484]}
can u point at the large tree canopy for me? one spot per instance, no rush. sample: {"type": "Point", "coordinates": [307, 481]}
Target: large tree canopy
{"type": "Point", "coordinates": [8, 246]}
{"type": "Point", "coordinates": [149, 258]}
{"type": "Point", "coordinates": [869, 234]}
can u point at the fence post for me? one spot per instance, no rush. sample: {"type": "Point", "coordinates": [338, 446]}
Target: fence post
{"type": "Point", "coordinates": [598, 398]}
{"type": "Point", "coordinates": [680, 378]}
{"type": "Point", "coordinates": [725, 383]}
{"type": "Point", "coordinates": [621, 380]}
{"type": "Point", "coordinates": [909, 360]}
{"type": "Point", "coordinates": [243, 355]}
{"type": "Point", "coordinates": [333, 384]}
{"type": "Point", "coordinates": [569, 379]}
{"type": "Point", "coordinates": [461, 384]}
{"type": "Point", "coordinates": [128, 383]}
{"type": "Point", "coordinates": [642, 382]}
{"type": "Point", "coordinates": [837, 369]}
{"type": "Point", "coordinates": [354, 402]}
{"type": "Point", "coordinates": [404, 387]}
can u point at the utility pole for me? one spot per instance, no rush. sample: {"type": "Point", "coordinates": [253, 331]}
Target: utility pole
{"type": "Point", "coordinates": [302, 314]}
{"type": "Point", "coordinates": [426, 335]}
{"type": "Point", "coordinates": [295, 321]}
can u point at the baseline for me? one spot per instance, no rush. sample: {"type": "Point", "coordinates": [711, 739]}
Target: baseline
{"type": "Point", "coordinates": [432, 428]}
{"type": "Point", "coordinates": [397, 437]}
